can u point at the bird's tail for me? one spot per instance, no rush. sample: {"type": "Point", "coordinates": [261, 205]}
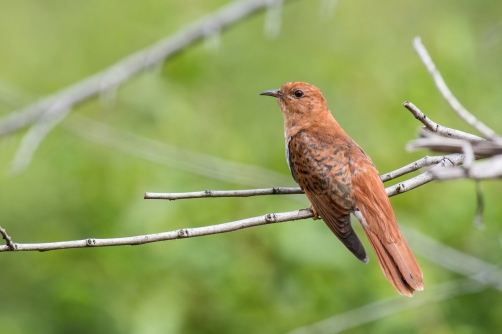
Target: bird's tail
{"type": "Point", "coordinates": [397, 263]}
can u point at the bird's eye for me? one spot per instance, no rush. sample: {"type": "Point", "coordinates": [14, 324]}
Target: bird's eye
{"type": "Point", "coordinates": [298, 93]}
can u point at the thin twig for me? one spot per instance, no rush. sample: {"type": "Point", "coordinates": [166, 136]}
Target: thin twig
{"type": "Point", "coordinates": [132, 64]}
{"type": "Point", "coordinates": [183, 233]}
{"type": "Point", "coordinates": [402, 187]}
{"type": "Point", "coordinates": [273, 19]}
{"type": "Point", "coordinates": [437, 128]}
{"type": "Point", "coordinates": [448, 95]}
{"type": "Point", "coordinates": [416, 165]}
{"type": "Point", "coordinates": [488, 169]}
{"type": "Point", "coordinates": [32, 140]}
{"type": "Point", "coordinates": [480, 149]}
{"type": "Point", "coordinates": [8, 240]}
{"type": "Point", "coordinates": [469, 155]}
{"type": "Point", "coordinates": [225, 193]}
{"type": "Point", "coordinates": [426, 177]}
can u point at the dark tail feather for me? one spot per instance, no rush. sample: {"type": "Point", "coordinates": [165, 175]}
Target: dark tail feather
{"type": "Point", "coordinates": [346, 234]}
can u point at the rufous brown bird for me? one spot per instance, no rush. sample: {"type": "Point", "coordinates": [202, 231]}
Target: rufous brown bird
{"type": "Point", "coordinates": [339, 178]}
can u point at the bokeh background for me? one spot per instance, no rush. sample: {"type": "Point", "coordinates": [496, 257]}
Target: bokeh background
{"type": "Point", "coordinates": [270, 279]}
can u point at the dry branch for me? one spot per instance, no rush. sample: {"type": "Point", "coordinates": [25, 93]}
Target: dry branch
{"type": "Point", "coordinates": [8, 240]}
{"type": "Point", "coordinates": [416, 165]}
{"type": "Point", "coordinates": [402, 187]}
{"type": "Point", "coordinates": [448, 95]}
{"type": "Point", "coordinates": [224, 193]}
{"type": "Point", "coordinates": [442, 139]}
{"type": "Point", "coordinates": [225, 227]}
{"type": "Point", "coordinates": [488, 169]}
{"type": "Point", "coordinates": [32, 140]}
{"type": "Point", "coordinates": [114, 75]}
{"type": "Point", "coordinates": [481, 149]}
{"type": "Point", "coordinates": [439, 129]}
{"type": "Point", "coordinates": [183, 233]}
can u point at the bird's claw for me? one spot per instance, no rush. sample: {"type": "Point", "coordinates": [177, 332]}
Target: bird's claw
{"type": "Point", "coordinates": [311, 209]}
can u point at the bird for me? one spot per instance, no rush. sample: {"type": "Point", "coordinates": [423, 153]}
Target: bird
{"type": "Point", "coordinates": [339, 178]}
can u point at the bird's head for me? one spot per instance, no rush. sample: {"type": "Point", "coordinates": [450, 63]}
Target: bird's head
{"type": "Point", "coordinates": [299, 100]}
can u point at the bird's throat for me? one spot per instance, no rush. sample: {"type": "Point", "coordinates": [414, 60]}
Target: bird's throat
{"type": "Point", "coordinates": [292, 126]}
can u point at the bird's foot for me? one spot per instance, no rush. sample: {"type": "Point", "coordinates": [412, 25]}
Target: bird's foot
{"type": "Point", "coordinates": [311, 209]}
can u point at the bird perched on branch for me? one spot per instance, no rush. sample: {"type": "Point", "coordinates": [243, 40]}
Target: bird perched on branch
{"type": "Point", "coordinates": [339, 179]}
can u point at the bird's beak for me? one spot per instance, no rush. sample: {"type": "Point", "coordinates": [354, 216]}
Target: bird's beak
{"type": "Point", "coordinates": [273, 92]}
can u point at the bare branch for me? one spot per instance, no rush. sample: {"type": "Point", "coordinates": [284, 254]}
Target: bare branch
{"type": "Point", "coordinates": [273, 19]}
{"type": "Point", "coordinates": [8, 240]}
{"type": "Point", "coordinates": [32, 140]}
{"type": "Point", "coordinates": [440, 144]}
{"type": "Point", "coordinates": [448, 95]}
{"type": "Point", "coordinates": [399, 188]}
{"type": "Point", "coordinates": [419, 180]}
{"type": "Point", "coordinates": [224, 193]}
{"type": "Point", "coordinates": [416, 165]}
{"type": "Point", "coordinates": [402, 187]}
{"type": "Point", "coordinates": [437, 128]}
{"type": "Point", "coordinates": [488, 169]}
{"type": "Point", "coordinates": [183, 233]}
{"type": "Point", "coordinates": [121, 71]}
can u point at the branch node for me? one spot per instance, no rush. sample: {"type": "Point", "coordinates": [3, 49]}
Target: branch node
{"type": "Point", "coordinates": [90, 242]}
{"type": "Point", "coordinates": [183, 233]}
{"type": "Point", "coordinates": [271, 218]}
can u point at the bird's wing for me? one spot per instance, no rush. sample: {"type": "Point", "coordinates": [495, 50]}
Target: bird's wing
{"type": "Point", "coordinates": [289, 161]}
{"type": "Point", "coordinates": [321, 170]}
{"type": "Point", "coordinates": [379, 223]}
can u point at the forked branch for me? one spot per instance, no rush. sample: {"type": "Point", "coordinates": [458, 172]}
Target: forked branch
{"type": "Point", "coordinates": [457, 107]}
{"type": "Point", "coordinates": [442, 139]}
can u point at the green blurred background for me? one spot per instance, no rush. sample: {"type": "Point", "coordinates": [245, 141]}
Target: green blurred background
{"type": "Point", "coordinates": [269, 279]}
